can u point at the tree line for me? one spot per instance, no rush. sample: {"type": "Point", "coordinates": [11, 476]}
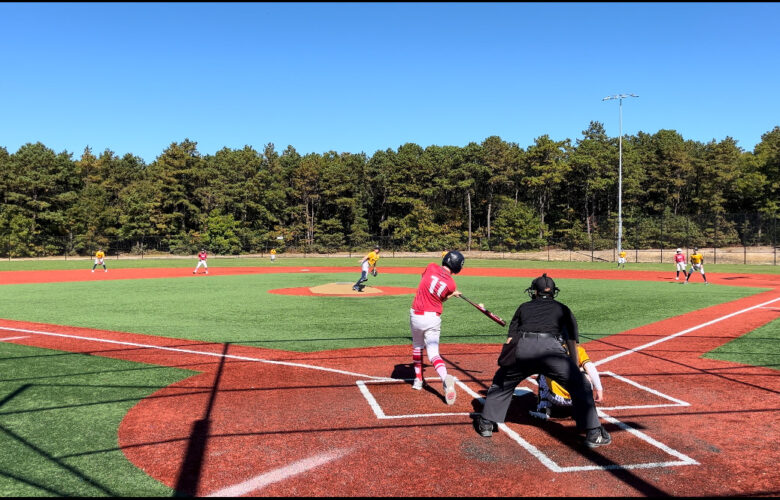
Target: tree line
{"type": "Point", "coordinates": [493, 195]}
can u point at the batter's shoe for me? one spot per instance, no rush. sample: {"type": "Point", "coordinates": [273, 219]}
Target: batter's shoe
{"type": "Point", "coordinates": [449, 389]}
{"type": "Point", "coordinates": [418, 384]}
{"type": "Point", "coordinates": [484, 427]}
{"type": "Point", "coordinates": [597, 437]}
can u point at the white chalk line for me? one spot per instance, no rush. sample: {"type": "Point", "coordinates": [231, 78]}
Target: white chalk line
{"type": "Point", "coordinates": [190, 351]}
{"type": "Point", "coordinates": [13, 338]}
{"type": "Point", "coordinates": [533, 450]}
{"type": "Point", "coordinates": [279, 474]}
{"type": "Point", "coordinates": [683, 332]}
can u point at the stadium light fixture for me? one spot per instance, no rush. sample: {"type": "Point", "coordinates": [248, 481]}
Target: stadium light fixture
{"type": "Point", "coordinates": [620, 98]}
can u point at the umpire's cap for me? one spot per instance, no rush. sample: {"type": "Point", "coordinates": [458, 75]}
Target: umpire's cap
{"type": "Point", "coordinates": [543, 286]}
{"type": "Point", "coordinates": [454, 261]}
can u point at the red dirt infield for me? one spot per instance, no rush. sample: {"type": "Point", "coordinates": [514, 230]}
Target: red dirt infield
{"type": "Point", "coordinates": [262, 422]}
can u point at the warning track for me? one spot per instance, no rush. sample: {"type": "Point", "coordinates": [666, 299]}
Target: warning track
{"type": "Point", "coordinates": [345, 423]}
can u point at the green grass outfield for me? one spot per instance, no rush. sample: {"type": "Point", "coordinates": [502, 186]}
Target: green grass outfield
{"type": "Point", "coordinates": [59, 412]}
{"type": "Point", "coordinates": [238, 309]}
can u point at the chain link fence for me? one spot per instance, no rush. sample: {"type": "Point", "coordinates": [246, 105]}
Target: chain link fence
{"type": "Point", "coordinates": [722, 238]}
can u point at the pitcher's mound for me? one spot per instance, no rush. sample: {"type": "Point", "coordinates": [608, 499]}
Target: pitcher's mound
{"type": "Point", "coordinates": [343, 290]}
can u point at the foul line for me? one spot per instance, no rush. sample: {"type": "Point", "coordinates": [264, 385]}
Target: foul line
{"type": "Point", "coordinates": [13, 338]}
{"type": "Point", "coordinates": [190, 351]}
{"type": "Point", "coordinates": [674, 335]}
{"type": "Point", "coordinates": [280, 474]}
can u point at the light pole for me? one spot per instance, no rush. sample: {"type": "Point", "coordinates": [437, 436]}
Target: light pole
{"type": "Point", "coordinates": [620, 97]}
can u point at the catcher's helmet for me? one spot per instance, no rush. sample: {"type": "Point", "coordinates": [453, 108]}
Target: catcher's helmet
{"type": "Point", "coordinates": [542, 286]}
{"type": "Point", "coordinates": [453, 260]}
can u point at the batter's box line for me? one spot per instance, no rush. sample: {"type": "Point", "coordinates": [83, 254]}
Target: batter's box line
{"type": "Point", "coordinates": [533, 450]}
{"type": "Point", "coordinates": [380, 414]}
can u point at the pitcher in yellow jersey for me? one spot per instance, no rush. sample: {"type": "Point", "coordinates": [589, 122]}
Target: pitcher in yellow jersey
{"type": "Point", "coordinates": [369, 261]}
{"type": "Point", "coordinates": [697, 264]}
{"type": "Point", "coordinates": [99, 255]}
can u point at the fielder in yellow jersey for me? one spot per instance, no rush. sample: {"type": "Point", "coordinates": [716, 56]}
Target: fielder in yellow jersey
{"type": "Point", "coordinates": [622, 259]}
{"type": "Point", "coordinates": [366, 263]}
{"type": "Point", "coordinates": [552, 394]}
{"type": "Point", "coordinates": [99, 255]}
{"type": "Point", "coordinates": [697, 264]}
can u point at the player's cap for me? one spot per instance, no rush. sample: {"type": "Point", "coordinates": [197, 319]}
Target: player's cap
{"type": "Point", "coordinates": [679, 250]}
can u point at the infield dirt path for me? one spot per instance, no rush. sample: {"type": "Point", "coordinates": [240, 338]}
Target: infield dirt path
{"type": "Point", "coordinates": [345, 423]}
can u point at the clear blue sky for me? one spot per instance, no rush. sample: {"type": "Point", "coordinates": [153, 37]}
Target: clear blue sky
{"type": "Point", "coordinates": [352, 77]}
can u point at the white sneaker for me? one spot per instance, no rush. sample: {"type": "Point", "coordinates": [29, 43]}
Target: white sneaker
{"type": "Point", "coordinates": [105, 270]}
{"type": "Point", "coordinates": [418, 384]}
{"type": "Point", "coordinates": [93, 270]}
{"type": "Point", "coordinates": [677, 279]}
{"type": "Point", "coordinates": [207, 272]}
{"type": "Point", "coordinates": [449, 389]}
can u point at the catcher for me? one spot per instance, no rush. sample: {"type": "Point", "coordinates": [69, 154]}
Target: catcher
{"type": "Point", "coordinates": [552, 394]}
{"type": "Point", "coordinates": [367, 264]}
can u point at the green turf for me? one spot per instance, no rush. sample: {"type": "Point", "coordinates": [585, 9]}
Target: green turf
{"type": "Point", "coordinates": [238, 309]}
{"type": "Point", "coordinates": [386, 260]}
{"type": "Point", "coordinates": [59, 415]}
{"type": "Point", "coordinates": [761, 347]}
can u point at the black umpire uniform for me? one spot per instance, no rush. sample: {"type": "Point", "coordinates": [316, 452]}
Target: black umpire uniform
{"type": "Point", "coordinates": [536, 332]}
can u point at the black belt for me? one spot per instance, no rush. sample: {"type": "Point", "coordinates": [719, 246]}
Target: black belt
{"type": "Point", "coordinates": [539, 334]}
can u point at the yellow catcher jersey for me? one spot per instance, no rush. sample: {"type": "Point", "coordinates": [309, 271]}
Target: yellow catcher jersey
{"type": "Point", "coordinates": [556, 388]}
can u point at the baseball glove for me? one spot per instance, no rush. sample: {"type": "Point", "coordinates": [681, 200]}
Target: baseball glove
{"type": "Point", "coordinates": [373, 272]}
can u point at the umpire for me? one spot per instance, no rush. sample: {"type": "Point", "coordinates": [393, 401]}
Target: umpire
{"type": "Point", "coordinates": [533, 346]}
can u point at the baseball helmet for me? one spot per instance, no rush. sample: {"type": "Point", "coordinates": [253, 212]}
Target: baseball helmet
{"type": "Point", "coordinates": [695, 249]}
{"type": "Point", "coordinates": [542, 286]}
{"type": "Point", "coordinates": [679, 250]}
{"type": "Point", "coordinates": [453, 260]}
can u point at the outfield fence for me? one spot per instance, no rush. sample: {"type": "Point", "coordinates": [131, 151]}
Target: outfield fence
{"type": "Point", "coordinates": [722, 238]}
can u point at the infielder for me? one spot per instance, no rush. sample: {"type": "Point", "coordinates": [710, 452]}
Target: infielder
{"type": "Point", "coordinates": [99, 255]}
{"type": "Point", "coordinates": [202, 256]}
{"type": "Point", "coordinates": [697, 264]}
{"type": "Point", "coordinates": [273, 254]}
{"type": "Point", "coordinates": [552, 394]}
{"type": "Point", "coordinates": [369, 261]}
{"type": "Point", "coordinates": [622, 259]}
{"type": "Point", "coordinates": [679, 263]}
{"type": "Point", "coordinates": [436, 286]}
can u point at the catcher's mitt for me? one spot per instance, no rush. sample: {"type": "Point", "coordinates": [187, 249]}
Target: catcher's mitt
{"type": "Point", "coordinates": [373, 272]}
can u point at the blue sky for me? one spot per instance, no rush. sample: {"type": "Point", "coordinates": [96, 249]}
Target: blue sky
{"type": "Point", "coordinates": [352, 77]}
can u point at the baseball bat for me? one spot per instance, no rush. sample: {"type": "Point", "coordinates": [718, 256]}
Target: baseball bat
{"type": "Point", "coordinates": [484, 311]}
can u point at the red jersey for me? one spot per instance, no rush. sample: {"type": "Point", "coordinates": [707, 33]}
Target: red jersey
{"type": "Point", "coordinates": [435, 286]}
{"type": "Point", "coordinates": [679, 257]}
{"type": "Point", "coordinates": [202, 256]}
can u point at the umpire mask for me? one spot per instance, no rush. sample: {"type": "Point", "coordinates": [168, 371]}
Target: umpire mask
{"type": "Point", "coordinates": [543, 286]}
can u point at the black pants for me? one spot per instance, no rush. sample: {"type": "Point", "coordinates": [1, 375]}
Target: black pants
{"type": "Point", "coordinates": [546, 356]}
